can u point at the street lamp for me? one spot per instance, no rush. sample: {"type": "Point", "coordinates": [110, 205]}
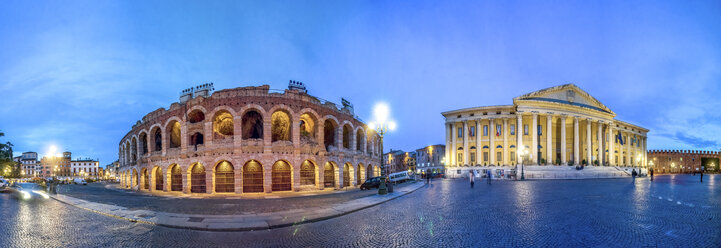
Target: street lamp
{"type": "Point", "coordinates": [522, 153]}
{"type": "Point", "coordinates": [381, 125]}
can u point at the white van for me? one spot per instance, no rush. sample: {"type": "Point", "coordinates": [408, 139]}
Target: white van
{"type": "Point", "coordinates": [80, 181]}
{"type": "Point", "coordinates": [399, 177]}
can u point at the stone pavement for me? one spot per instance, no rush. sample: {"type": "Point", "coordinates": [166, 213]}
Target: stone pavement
{"type": "Point", "coordinates": [239, 222]}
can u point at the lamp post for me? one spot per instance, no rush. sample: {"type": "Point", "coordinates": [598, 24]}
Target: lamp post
{"type": "Point", "coordinates": [522, 153]}
{"type": "Point", "coordinates": [381, 125]}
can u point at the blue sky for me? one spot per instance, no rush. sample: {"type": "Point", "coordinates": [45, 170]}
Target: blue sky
{"type": "Point", "coordinates": [78, 74]}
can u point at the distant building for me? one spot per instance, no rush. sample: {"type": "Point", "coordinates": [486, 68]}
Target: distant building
{"type": "Point", "coordinates": [85, 168]}
{"type": "Point", "coordinates": [429, 159]}
{"type": "Point", "coordinates": [398, 160]}
{"type": "Point", "coordinates": [683, 161]}
{"type": "Point", "coordinates": [54, 166]}
{"type": "Point", "coordinates": [111, 170]}
{"type": "Point", "coordinates": [29, 163]}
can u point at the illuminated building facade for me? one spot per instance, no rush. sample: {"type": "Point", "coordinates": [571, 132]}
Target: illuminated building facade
{"type": "Point", "coordinates": [683, 161]}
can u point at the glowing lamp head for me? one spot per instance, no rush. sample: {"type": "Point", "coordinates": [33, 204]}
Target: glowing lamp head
{"type": "Point", "coordinates": [392, 126]}
{"type": "Point", "coordinates": [372, 125]}
{"type": "Point", "coordinates": [381, 112]}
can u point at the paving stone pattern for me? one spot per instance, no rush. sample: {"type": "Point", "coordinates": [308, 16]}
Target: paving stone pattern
{"type": "Point", "coordinates": [673, 211]}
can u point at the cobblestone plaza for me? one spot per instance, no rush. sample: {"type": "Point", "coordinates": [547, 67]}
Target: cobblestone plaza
{"type": "Point", "coordinates": [558, 213]}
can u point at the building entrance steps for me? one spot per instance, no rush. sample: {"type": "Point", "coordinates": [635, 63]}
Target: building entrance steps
{"type": "Point", "coordinates": [239, 222]}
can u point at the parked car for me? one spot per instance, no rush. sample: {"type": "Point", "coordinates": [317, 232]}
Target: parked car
{"type": "Point", "coordinates": [373, 182]}
{"type": "Point", "coordinates": [28, 191]}
{"type": "Point", "coordinates": [80, 181]}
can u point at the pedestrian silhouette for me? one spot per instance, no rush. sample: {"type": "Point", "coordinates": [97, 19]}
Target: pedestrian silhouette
{"type": "Point", "coordinates": [633, 175]}
{"type": "Point", "coordinates": [652, 174]}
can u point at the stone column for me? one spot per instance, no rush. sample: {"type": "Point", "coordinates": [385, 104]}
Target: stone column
{"type": "Point", "coordinates": [629, 157]}
{"type": "Point", "coordinates": [563, 140]}
{"type": "Point", "coordinates": [601, 151]}
{"type": "Point", "coordinates": [519, 137]}
{"type": "Point", "coordinates": [353, 141]}
{"type": "Point", "coordinates": [238, 177]}
{"type": "Point", "coordinates": [165, 141]}
{"type": "Point", "coordinates": [549, 139]}
{"type": "Point", "coordinates": [207, 134]}
{"type": "Point", "coordinates": [611, 145]}
{"type": "Point", "coordinates": [183, 139]}
{"type": "Point", "coordinates": [534, 138]}
{"type": "Point", "coordinates": [479, 146]}
{"type": "Point", "coordinates": [339, 175]}
{"type": "Point", "coordinates": [449, 133]}
{"type": "Point", "coordinates": [505, 142]}
{"type": "Point", "coordinates": [492, 145]}
{"type": "Point", "coordinates": [576, 155]}
{"type": "Point", "coordinates": [237, 134]}
{"type": "Point", "coordinates": [589, 147]}
{"type": "Point", "coordinates": [320, 135]}
{"type": "Point", "coordinates": [267, 135]}
{"type": "Point", "coordinates": [454, 138]}
{"type": "Point", "coordinates": [209, 178]}
{"type": "Point", "coordinates": [465, 142]}
{"type": "Point", "coordinates": [295, 134]}
{"type": "Point", "coordinates": [268, 177]}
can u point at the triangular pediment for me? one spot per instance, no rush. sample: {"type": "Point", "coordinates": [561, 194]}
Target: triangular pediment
{"type": "Point", "coordinates": [566, 94]}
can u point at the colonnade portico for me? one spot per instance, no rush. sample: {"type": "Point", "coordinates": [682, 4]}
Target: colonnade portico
{"type": "Point", "coordinates": [567, 110]}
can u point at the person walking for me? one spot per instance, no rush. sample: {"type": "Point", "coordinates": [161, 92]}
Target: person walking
{"type": "Point", "coordinates": [471, 177]}
{"type": "Point", "coordinates": [428, 178]}
{"type": "Point", "coordinates": [702, 176]}
{"type": "Point", "coordinates": [633, 175]}
{"type": "Point", "coordinates": [651, 174]}
{"type": "Point", "coordinates": [489, 177]}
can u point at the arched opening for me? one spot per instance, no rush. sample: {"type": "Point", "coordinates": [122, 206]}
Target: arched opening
{"type": "Point", "coordinates": [346, 136]}
{"type": "Point", "coordinates": [224, 177]}
{"type": "Point", "coordinates": [252, 125]}
{"type": "Point", "coordinates": [196, 139]}
{"type": "Point", "coordinates": [359, 174]}
{"type": "Point", "coordinates": [134, 178]}
{"type": "Point", "coordinates": [376, 171]}
{"type": "Point", "coordinates": [196, 116]}
{"type": "Point", "coordinates": [133, 150]}
{"type": "Point", "coordinates": [158, 178]}
{"type": "Point", "coordinates": [329, 175]}
{"type": "Point", "coordinates": [146, 178]}
{"type": "Point", "coordinates": [281, 176]}
{"type": "Point", "coordinates": [143, 143]}
{"type": "Point", "coordinates": [307, 173]}
{"type": "Point", "coordinates": [369, 171]}
{"type": "Point", "coordinates": [252, 177]}
{"type": "Point", "coordinates": [280, 126]}
{"type": "Point", "coordinates": [174, 130]}
{"type": "Point", "coordinates": [176, 178]}
{"type": "Point", "coordinates": [158, 140]}
{"type": "Point", "coordinates": [197, 178]}
{"type": "Point", "coordinates": [307, 128]}
{"type": "Point", "coordinates": [347, 167]}
{"type": "Point", "coordinates": [359, 140]}
{"type": "Point", "coordinates": [328, 134]}
{"type": "Point", "coordinates": [223, 125]}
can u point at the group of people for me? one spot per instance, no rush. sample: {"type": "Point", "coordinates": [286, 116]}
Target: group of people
{"type": "Point", "coordinates": [472, 176]}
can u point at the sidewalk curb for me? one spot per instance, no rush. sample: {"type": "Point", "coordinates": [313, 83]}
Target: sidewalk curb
{"type": "Point", "coordinates": [258, 222]}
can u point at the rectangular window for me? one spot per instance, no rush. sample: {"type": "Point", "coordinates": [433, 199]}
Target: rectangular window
{"type": "Point", "coordinates": [473, 157]}
{"type": "Point", "coordinates": [460, 132]}
{"type": "Point", "coordinates": [540, 130]}
{"type": "Point", "coordinates": [460, 158]}
{"type": "Point", "coordinates": [485, 156]}
{"type": "Point", "coordinates": [485, 130]}
{"type": "Point", "coordinates": [513, 129]}
{"type": "Point", "coordinates": [513, 156]}
{"type": "Point", "coordinates": [472, 132]}
{"type": "Point", "coordinates": [525, 129]}
{"type": "Point", "coordinates": [499, 156]}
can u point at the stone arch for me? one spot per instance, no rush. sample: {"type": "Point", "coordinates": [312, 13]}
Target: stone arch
{"type": "Point", "coordinates": [143, 139]}
{"type": "Point", "coordinates": [196, 178]}
{"type": "Point", "coordinates": [176, 177]}
{"type": "Point", "coordinates": [134, 178]}
{"type": "Point", "coordinates": [330, 125]}
{"type": "Point", "coordinates": [196, 114]}
{"type": "Point", "coordinates": [224, 177]}
{"type": "Point", "coordinates": [359, 174]}
{"type": "Point", "coordinates": [376, 171]}
{"type": "Point", "coordinates": [369, 171]}
{"type": "Point", "coordinates": [281, 123]}
{"type": "Point", "coordinates": [281, 176]}
{"type": "Point", "coordinates": [196, 138]}
{"type": "Point", "coordinates": [173, 129]}
{"type": "Point", "coordinates": [359, 131]}
{"type": "Point", "coordinates": [157, 174]}
{"type": "Point", "coordinates": [156, 134]}
{"type": "Point", "coordinates": [347, 134]}
{"type": "Point", "coordinates": [347, 174]}
{"type": "Point", "coordinates": [133, 150]}
{"type": "Point", "coordinates": [223, 124]}
{"type": "Point", "coordinates": [308, 126]}
{"type": "Point", "coordinates": [144, 179]}
{"type": "Point", "coordinates": [252, 177]}
{"type": "Point", "coordinates": [330, 174]}
{"type": "Point", "coordinates": [308, 170]}
{"type": "Point", "coordinates": [252, 124]}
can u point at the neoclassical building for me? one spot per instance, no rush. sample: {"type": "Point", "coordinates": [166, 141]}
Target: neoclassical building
{"type": "Point", "coordinates": [560, 125]}
{"type": "Point", "coordinates": [248, 140]}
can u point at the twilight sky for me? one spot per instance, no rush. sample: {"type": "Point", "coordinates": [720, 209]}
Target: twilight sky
{"type": "Point", "coordinates": [79, 74]}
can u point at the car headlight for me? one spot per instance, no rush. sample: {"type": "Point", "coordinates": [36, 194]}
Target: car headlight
{"type": "Point", "coordinates": [43, 194]}
{"type": "Point", "coordinates": [25, 195]}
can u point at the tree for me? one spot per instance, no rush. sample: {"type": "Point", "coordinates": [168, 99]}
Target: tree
{"type": "Point", "coordinates": [8, 167]}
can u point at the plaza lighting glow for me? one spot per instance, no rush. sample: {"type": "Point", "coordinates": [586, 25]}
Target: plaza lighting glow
{"type": "Point", "coordinates": [381, 112]}
{"type": "Point", "coordinates": [25, 195]}
{"type": "Point", "coordinates": [43, 194]}
{"type": "Point", "coordinates": [372, 125]}
{"type": "Point", "coordinates": [392, 125]}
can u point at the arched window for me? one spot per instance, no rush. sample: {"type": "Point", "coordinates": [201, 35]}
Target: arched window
{"type": "Point", "coordinates": [359, 140]}
{"type": "Point", "coordinates": [280, 126]}
{"type": "Point", "coordinates": [196, 116]}
{"type": "Point", "coordinates": [158, 137]}
{"type": "Point", "coordinates": [224, 177]}
{"type": "Point", "coordinates": [176, 178]}
{"type": "Point", "coordinates": [346, 174]}
{"type": "Point", "coordinates": [143, 143]}
{"type": "Point", "coordinates": [346, 136]}
{"type": "Point", "coordinates": [328, 134]}
{"type": "Point", "coordinates": [197, 178]}
{"type": "Point", "coordinates": [307, 173]}
{"type": "Point", "coordinates": [196, 139]}
{"type": "Point", "coordinates": [174, 131]}
{"type": "Point", "coordinates": [223, 125]}
{"type": "Point", "coordinates": [281, 176]}
{"type": "Point", "coordinates": [158, 178]}
{"type": "Point", "coordinates": [252, 177]}
{"type": "Point", "coordinates": [307, 128]}
{"type": "Point", "coordinates": [252, 125]}
{"type": "Point", "coordinates": [329, 175]}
